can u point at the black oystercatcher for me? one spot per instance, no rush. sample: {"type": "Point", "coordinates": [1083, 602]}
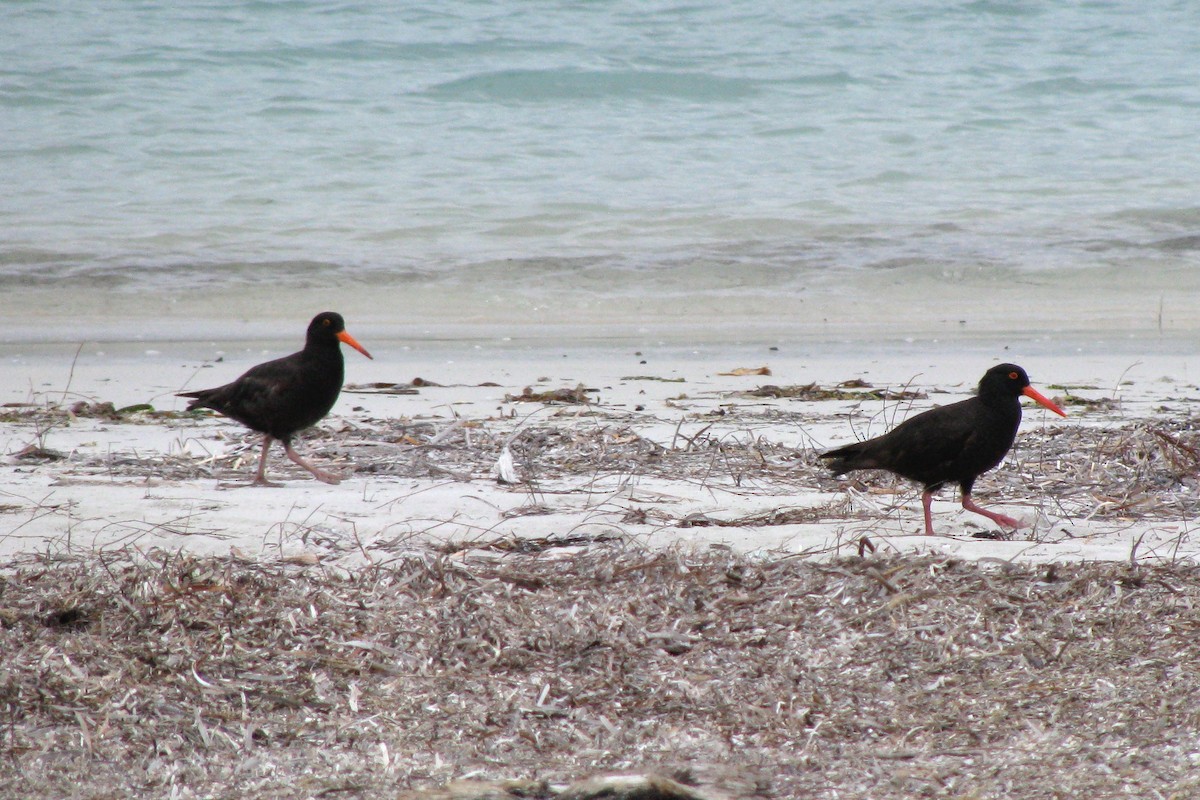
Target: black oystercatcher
{"type": "Point", "coordinates": [282, 397]}
{"type": "Point", "coordinates": [951, 444]}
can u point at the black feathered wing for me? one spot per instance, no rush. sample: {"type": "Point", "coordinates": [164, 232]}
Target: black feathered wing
{"type": "Point", "coordinates": [953, 443]}
{"type": "Point", "coordinates": [278, 397]}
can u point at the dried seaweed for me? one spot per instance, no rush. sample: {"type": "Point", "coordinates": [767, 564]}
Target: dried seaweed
{"type": "Point", "coordinates": [506, 675]}
{"type": "Point", "coordinates": [578, 394]}
{"type": "Point", "coordinates": [56, 414]}
{"type": "Point", "coordinates": [1150, 468]}
{"type": "Point", "coordinates": [851, 390]}
{"type": "Point", "coordinates": [740, 371]}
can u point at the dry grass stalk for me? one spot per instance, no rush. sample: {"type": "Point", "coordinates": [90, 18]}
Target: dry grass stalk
{"type": "Point", "coordinates": [167, 675]}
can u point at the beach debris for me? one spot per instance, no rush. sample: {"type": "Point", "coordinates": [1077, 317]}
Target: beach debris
{"type": "Point", "coordinates": [577, 395]}
{"type": "Point", "coordinates": [631, 787]}
{"type": "Point", "coordinates": [850, 390]}
{"type": "Point", "coordinates": [530, 545]}
{"type": "Point", "coordinates": [35, 452]}
{"type": "Point", "coordinates": [301, 559]}
{"type": "Point", "coordinates": [470, 789]}
{"type": "Point", "coordinates": [393, 387]}
{"type": "Point", "coordinates": [635, 516]}
{"type": "Point", "coordinates": [381, 387]}
{"type": "Point", "coordinates": [747, 371]}
{"type": "Point", "coordinates": [529, 510]}
{"type": "Point", "coordinates": [505, 470]}
{"type": "Point", "coordinates": [653, 378]}
{"type": "Point", "coordinates": [993, 535]}
{"type": "Point", "coordinates": [1091, 403]}
{"type": "Point", "coordinates": [104, 410]}
{"type": "Point", "coordinates": [1147, 468]}
{"type": "Point", "coordinates": [70, 617]}
{"type": "Point", "coordinates": [778, 516]}
{"type": "Point", "coordinates": [136, 408]}
{"type": "Point", "coordinates": [140, 413]}
{"type": "Point", "coordinates": [650, 661]}
{"type": "Point", "coordinates": [1184, 458]}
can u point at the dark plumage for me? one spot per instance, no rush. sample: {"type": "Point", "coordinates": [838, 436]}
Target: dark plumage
{"type": "Point", "coordinates": [950, 444]}
{"type": "Point", "coordinates": [282, 397]}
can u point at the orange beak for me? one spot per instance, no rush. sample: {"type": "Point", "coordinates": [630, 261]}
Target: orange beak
{"type": "Point", "coordinates": [348, 339]}
{"type": "Point", "coordinates": [1041, 399]}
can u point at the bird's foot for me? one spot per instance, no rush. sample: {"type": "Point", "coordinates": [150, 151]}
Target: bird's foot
{"type": "Point", "coordinates": [316, 472]}
{"type": "Point", "coordinates": [996, 517]}
{"type": "Point", "coordinates": [1009, 522]}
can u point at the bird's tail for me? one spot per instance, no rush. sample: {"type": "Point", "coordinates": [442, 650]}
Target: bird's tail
{"type": "Point", "coordinates": [845, 459]}
{"type": "Point", "coordinates": [200, 399]}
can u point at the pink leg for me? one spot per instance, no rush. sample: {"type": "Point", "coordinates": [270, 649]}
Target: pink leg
{"type": "Point", "coordinates": [1000, 519]}
{"type": "Point", "coordinates": [319, 474]}
{"type": "Point", "coordinates": [260, 477]}
{"type": "Point", "coordinates": [926, 501]}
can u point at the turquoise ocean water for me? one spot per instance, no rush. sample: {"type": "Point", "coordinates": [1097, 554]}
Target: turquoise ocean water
{"type": "Point", "coordinates": [614, 148]}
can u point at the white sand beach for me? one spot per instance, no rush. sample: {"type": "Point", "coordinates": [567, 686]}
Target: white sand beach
{"type": "Point", "coordinates": [670, 448]}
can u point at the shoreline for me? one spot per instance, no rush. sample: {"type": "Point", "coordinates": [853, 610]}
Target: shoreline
{"type": "Point", "coordinates": [710, 307]}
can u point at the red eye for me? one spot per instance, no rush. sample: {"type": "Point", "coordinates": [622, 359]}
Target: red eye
{"type": "Point", "coordinates": [1012, 376]}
